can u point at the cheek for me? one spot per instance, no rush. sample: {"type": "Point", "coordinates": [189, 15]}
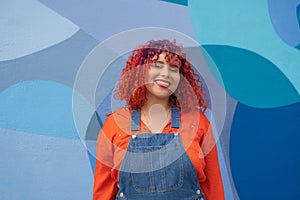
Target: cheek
{"type": "Point", "coordinates": [177, 79]}
{"type": "Point", "coordinates": [150, 74]}
{"type": "Point", "coordinates": [176, 82]}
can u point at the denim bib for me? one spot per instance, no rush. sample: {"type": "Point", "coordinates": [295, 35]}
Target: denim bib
{"type": "Point", "coordinates": [156, 166]}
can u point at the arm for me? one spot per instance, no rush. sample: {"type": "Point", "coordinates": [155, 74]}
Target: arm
{"type": "Point", "coordinates": [105, 187]}
{"type": "Point", "coordinates": [213, 186]}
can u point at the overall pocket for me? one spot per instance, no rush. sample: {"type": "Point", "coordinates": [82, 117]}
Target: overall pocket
{"type": "Point", "coordinates": [157, 168]}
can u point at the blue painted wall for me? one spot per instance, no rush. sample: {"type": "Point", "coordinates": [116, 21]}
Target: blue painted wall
{"type": "Point", "coordinates": [49, 126]}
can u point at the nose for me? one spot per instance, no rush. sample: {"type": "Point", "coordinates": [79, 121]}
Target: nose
{"type": "Point", "coordinates": [165, 71]}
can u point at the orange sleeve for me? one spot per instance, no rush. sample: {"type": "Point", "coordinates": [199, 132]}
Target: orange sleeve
{"type": "Point", "coordinates": [105, 187]}
{"type": "Point", "coordinates": [212, 186]}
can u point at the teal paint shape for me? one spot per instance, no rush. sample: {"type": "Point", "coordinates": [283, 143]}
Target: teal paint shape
{"type": "Point", "coordinates": [39, 107]}
{"type": "Point", "coordinates": [251, 79]}
{"type": "Point", "coordinates": [180, 2]}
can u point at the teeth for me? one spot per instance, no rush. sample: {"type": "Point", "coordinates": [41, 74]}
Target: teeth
{"type": "Point", "coordinates": [163, 83]}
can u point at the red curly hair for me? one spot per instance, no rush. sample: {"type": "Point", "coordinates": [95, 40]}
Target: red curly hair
{"type": "Point", "coordinates": [131, 84]}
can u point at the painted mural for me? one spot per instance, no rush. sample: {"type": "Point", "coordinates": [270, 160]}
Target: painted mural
{"type": "Point", "coordinates": [55, 93]}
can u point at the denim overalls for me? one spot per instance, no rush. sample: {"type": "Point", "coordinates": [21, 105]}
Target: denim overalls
{"type": "Point", "coordinates": [156, 166]}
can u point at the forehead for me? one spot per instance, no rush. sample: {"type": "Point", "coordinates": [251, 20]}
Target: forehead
{"type": "Point", "coordinates": [162, 57]}
{"type": "Point", "coordinates": [169, 58]}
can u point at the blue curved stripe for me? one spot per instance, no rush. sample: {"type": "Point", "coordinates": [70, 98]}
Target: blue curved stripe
{"type": "Point", "coordinates": [58, 63]}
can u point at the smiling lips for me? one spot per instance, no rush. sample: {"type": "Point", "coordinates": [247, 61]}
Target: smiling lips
{"type": "Point", "coordinates": [162, 83]}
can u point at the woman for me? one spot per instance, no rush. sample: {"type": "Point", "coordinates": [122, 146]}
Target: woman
{"type": "Point", "coordinates": [160, 146]}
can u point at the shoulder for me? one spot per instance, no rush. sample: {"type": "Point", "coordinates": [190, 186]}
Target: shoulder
{"type": "Point", "coordinates": [123, 111]}
{"type": "Point", "coordinates": [117, 120]}
{"type": "Point", "coordinates": [195, 117]}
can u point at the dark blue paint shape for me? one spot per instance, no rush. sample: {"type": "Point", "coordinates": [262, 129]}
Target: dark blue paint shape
{"type": "Point", "coordinates": [180, 2]}
{"type": "Point", "coordinates": [264, 152]}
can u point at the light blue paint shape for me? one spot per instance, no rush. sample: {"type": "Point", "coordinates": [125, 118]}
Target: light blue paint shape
{"type": "Point", "coordinates": [40, 107]}
{"type": "Point", "coordinates": [247, 25]}
{"type": "Point", "coordinates": [43, 167]}
{"type": "Point", "coordinates": [102, 19]}
{"type": "Point", "coordinates": [251, 79]}
{"type": "Point", "coordinates": [29, 26]}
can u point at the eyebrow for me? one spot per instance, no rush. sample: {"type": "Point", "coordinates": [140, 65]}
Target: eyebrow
{"type": "Point", "coordinates": [161, 62]}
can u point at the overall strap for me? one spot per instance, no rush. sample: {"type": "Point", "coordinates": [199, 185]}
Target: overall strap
{"type": "Point", "coordinates": [175, 117]}
{"type": "Point", "coordinates": [135, 120]}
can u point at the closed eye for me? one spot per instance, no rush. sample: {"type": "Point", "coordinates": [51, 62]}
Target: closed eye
{"type": "Point", "coordinates": [159, 66]}
{"type": "Point", "coordinates": [174, 69]}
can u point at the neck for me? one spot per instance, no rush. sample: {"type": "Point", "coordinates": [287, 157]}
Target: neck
{"type": "Point", "coordinates": [155, 116]}
{"type": "Point", "coordinates": [151, 101]}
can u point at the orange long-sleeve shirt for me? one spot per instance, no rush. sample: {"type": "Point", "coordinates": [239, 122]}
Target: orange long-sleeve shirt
{"type": "Point", "coordinates": [197, 138]}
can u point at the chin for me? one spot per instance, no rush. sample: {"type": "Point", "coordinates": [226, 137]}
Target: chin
{"type": "Point", "coordinates": [163, 96]}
